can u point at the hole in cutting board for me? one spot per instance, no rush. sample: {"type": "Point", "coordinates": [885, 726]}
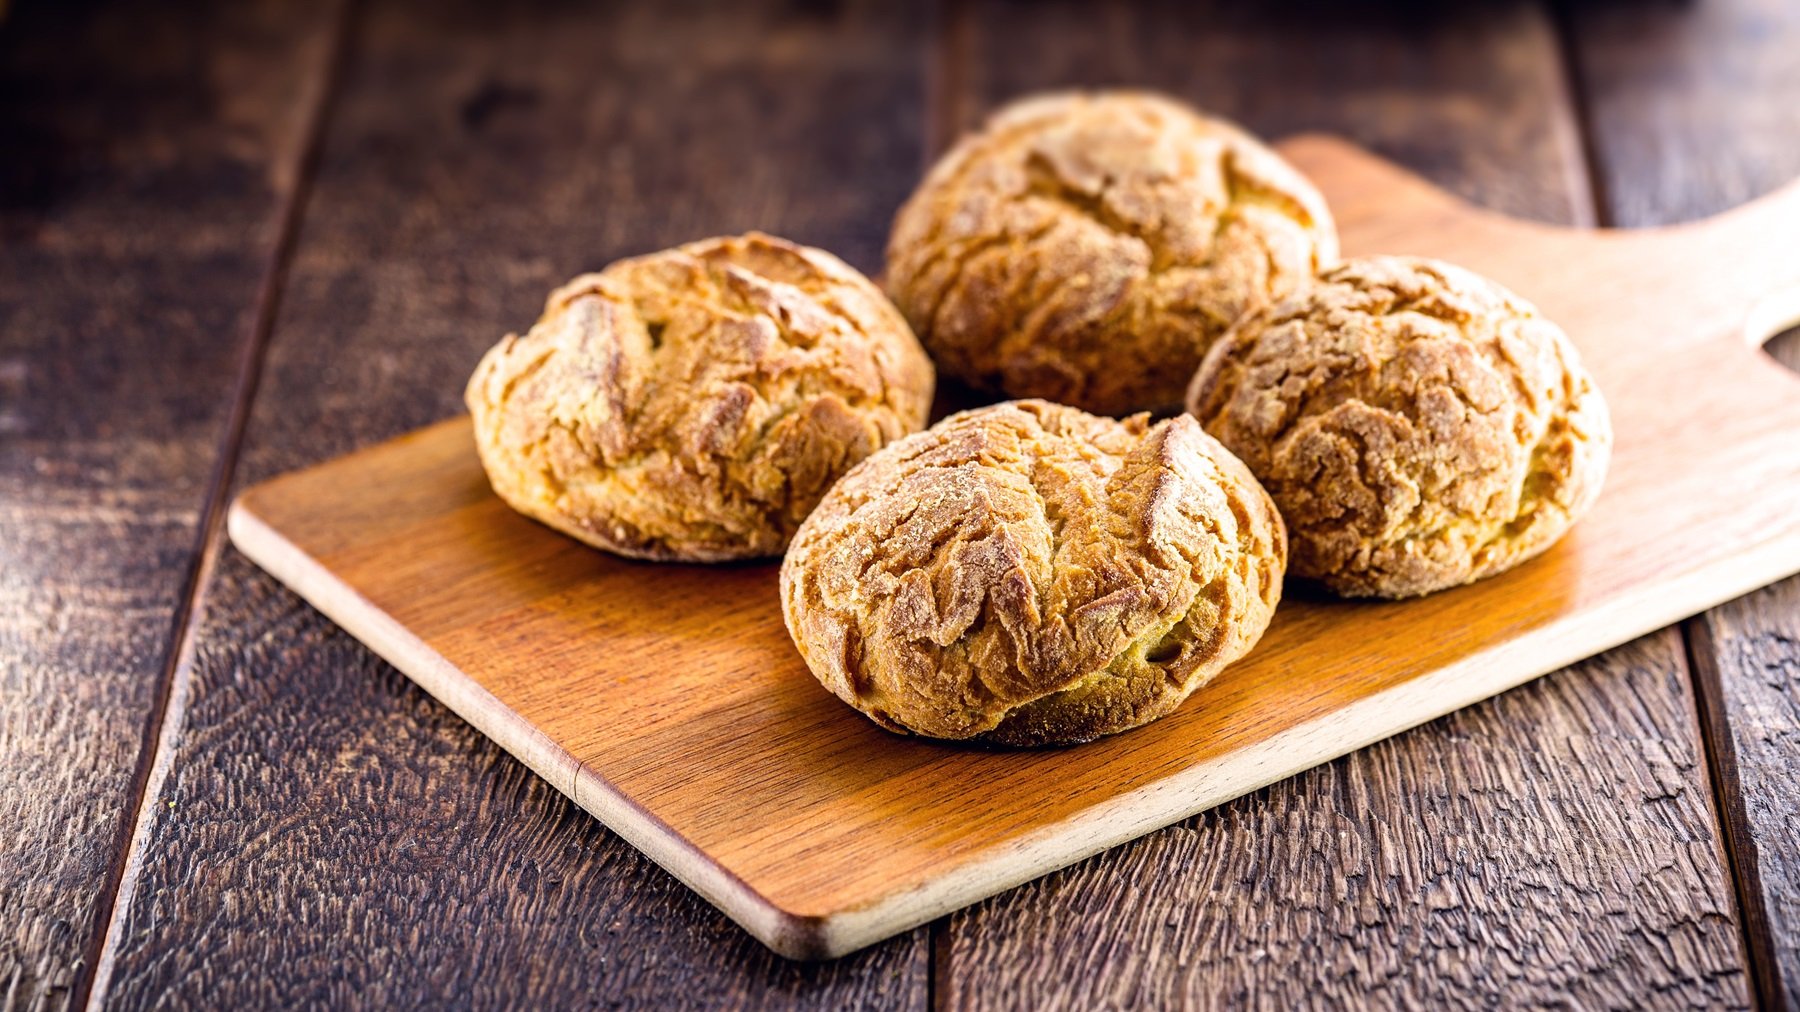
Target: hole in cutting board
{"type": "Point", "coordinates": [1774, 326]}
{"type": "Point", "coordinates": [1784, 347]}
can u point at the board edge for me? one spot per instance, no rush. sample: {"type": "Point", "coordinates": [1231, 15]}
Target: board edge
{"type": "Point", "coordinates": [801, 936]}
{"type": "Point", "coordinates": [795, 936]}
{"type": "Point", "coordinates": [1257, 766]}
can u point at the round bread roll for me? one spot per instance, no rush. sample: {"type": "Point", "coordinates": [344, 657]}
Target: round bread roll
{"type": "Point", "coordinates": [1030, 574]}
{"type": "Point", "coordinates": [694, 404]}
{"type": "Point", "coordinates": [1089, 248]}
{"type": "Point", "coordinates": [1419, 426]}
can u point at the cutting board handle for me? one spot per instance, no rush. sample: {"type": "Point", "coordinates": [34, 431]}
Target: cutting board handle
{"type": "Point", "coordinates": [1627, 293]}
{"type": "Point", "coordinates": [1776, 313]}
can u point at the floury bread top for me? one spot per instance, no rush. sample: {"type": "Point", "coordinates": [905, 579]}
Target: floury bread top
{"type": "Point", "coordinates": [1418, 425]}
{"type": "Point", "coordinates": [1089, 248]}
{"type": "Point", "coordinates": [694, 404]}
{"type": "Point", "coordinates": [1031, 574]}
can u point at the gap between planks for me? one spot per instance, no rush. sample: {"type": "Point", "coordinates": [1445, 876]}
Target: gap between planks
{"type": "Point", "coordinates": [947, 59]}
{"type": "Point", "coordinates": [163, 724]}
{"type": "Point", "coordinates": [1586, 178]}
{"type": "Point", "coordinates": [1736, 838]}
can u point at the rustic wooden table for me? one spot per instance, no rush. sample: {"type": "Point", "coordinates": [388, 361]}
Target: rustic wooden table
{"type": "Point", "coordinates": [251, 238]}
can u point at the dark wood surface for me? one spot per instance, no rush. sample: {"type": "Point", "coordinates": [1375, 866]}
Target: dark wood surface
{"type": "Point", "coordinates": [475, 157]}
{"type": "Point", "coordinates": [1695, 109]}
{"type": "Point", "coordinates": [249, 810]}
{"type": "Point", "coordinates": [144, 169]}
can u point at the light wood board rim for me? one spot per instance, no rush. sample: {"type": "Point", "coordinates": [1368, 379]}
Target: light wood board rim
{"type": "Point", "coordinates": [1101, 827]}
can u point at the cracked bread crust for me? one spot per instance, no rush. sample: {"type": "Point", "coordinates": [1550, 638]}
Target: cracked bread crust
{"type": "Point", "coordinates": [1089, 248]}
{"type": "Point", "coordinates": [694, 404]}
{"type": "Point", "coordinates": [1420, 426]}
{"type": "Point", "coordinates": [1030, 574]}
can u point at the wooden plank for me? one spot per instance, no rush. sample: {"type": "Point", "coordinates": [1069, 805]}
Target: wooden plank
{"type": "Point", "coordinates": [1554, 844]}
{"type": "Point", "coordinates": [1417, 83]}
{"type": "Point", "coordinates": [1691, 106]}
{"type": "Point", "coordinates": [668, 701]}
{"type": "Point", "coordinates": [326, 833]}
{"type": "Point", "coordinates": [1696, 108]}
{"type": "Point", "coordinates": [1534, 850]}
{"type": "Point", "coordinates": [1746, 656]}
{"type": "Point", "coordinates": [144, 163]}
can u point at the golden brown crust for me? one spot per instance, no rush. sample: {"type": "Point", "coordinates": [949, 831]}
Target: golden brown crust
{"type": "Point", "coordinates": [1419, 426]}
{"type": "Point", "coordinates": [695, 403]}
{"type": "Point", "coordinates": [1089, 248]}
{"type": "Point", "coordinates": [1030, 574]}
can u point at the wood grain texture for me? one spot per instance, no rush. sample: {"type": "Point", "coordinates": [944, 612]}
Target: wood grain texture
{"type": "Point", "coordinates": [668, 700]}
{"type": "Point", "coordinates": [143, 164]}
{"type": "Point", "coordinates": [1471, 93]}
{"type": "Point", "coordinates": [1696, 108]}
{"type": "Point", "coordinates": [1691, 106]}
{"type": "Point", "coordinates": [1533, 851]}
{"type": "Point", "coordinates": [326, 834]}
{"type": "Point", "coordinates": [1748, 655]}
{"type": "Point", "coordinates": [313, 664]}
{"type": "Point", "coordinates": [1350, 885]}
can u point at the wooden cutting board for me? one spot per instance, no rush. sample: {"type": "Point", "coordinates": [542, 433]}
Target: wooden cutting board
{"type": "Point", "coordinates": [668, 701]}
